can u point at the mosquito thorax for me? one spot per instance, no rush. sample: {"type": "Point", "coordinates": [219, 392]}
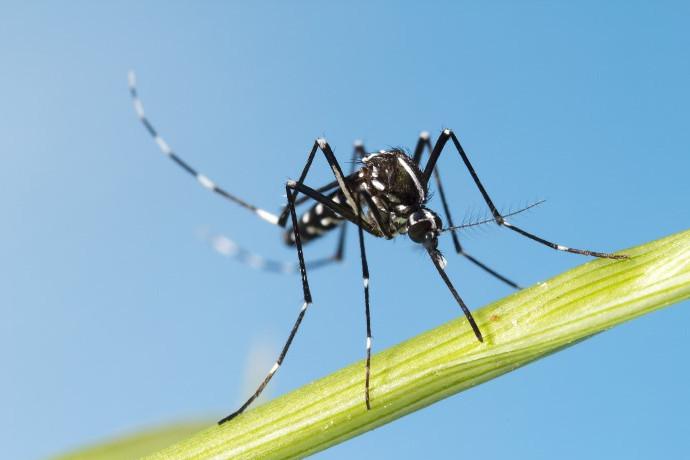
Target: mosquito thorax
{"type": "Point", "coordinates": [424, 227]}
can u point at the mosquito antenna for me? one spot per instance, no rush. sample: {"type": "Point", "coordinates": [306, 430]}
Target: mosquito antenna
{"type": "Point", "coordinates": [475, 223]}
{"type": "Point", "coordinates": [440, 262]}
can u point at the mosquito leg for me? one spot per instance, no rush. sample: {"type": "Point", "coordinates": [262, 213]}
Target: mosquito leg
{"type": "Point", "coordinates": [422, 144]}
{"type": "Point", "coordinates": [328, 187]}
{"type": "Point", "coordinates": [500, 220]}
{"type": "Point", "coordinates": [322, 145]}
{"type": "Point", "coordinates": [358, 153]}
{"type": "Point", "coordinates": [439, 263]}
{"type": "Point", "coordinates": [347, 210]}
{"type": "Point", "coordinates": [307, 301]}
{"type": "Point", "coordinates": [229, 248]}
{"type": "Point", "coordinates": [354, 217]}
{"type": "Point", "coordinates": [365, 281]}
{"type": "Point", "coordinates": [338, 208]}
{"type": "Point", "coordinates": [203, 180]}
{"type": "Point", "coordinates": [350, 212]}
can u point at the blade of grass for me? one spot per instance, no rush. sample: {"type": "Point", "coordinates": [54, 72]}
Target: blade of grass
{"type": "Point", "coordinates": [519, 329]}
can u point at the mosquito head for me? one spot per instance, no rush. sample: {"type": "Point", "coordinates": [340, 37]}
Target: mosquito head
{"type": "Point", "coordinates": [424, 227]}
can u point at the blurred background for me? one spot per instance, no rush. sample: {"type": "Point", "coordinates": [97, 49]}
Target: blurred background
{"type": "Point", "coordinates": [117, 316]}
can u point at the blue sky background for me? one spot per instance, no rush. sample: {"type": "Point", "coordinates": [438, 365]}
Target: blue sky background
{"type": "Point", "coordinates": [116, 316]}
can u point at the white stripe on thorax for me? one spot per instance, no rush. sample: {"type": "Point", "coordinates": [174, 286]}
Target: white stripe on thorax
{"type": "Point", "coordinates": [414, 177]}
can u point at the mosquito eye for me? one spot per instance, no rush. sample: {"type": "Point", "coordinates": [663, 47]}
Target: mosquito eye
{"type": "Point", "coordinates": [418, 231]}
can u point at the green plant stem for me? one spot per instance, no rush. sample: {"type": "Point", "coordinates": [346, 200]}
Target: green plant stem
{"type": "Point", "coordinates": [519, 329]}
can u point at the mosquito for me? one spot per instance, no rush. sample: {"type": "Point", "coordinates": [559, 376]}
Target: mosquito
{"type": "Point", "coordinates": [386, 197]}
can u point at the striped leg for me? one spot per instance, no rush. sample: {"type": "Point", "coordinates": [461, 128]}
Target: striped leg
{"type": "Point", "coordinates": [292, 189]}
{"type": "Point", "coordinates": [447, 134]}
{"type": "Point", "coordinates": [440, 263]}
{"type": "Point", "coordinates": [367, 314]}
{"type": "Point", "coordinates": [203, 180]}
{"type": "Point", "coordinates": [417, 157]}
{"type": "Point", "coordinates": [349, 209]}
{"type": "Point", "coordinates": [322, 145]}
{"type": "Point", "coordinates": [361, 226]}
{"type": "Point", "coordinates": [221, 243]}
{"type": "Point", "coordinates": [229, 248]}
{"type": "Point", "coordinates": [356, 218]}
{"type": "Point", "coordinates": [307, 301]}
{"type": "Point", "coordinates": [358, 153]}
{"type": "Point", "coordinates": [225, 246]}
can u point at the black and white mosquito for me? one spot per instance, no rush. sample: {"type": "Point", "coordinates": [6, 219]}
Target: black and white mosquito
{"type": "Point", "coordinates": [386, 197]}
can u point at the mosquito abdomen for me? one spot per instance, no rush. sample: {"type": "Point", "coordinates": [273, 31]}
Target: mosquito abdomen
{"type": "Point", "coordinates": [315, 222]}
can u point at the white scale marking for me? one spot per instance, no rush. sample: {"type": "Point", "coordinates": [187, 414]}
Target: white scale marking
{"type": "Point", "coordinates": [225, 246]}
{"type": "Point", "coordinates": [344, 189]}
{"type": "Point", "coordinates": [314, 230]}
{"type": "Point", "coordinates": [414, 177]}
{"type": "Point", "coordinates": [267, 216]}
{"type": "Point", "coordinates": [368, 343]}
{"type": "Point", "coordinates": [562, 248]}
{"type": "Point", "coordinates": [139, 108]}
{"type": "Point", "coordinates": [378, 185]}
{"type": "Point", "coordinates": [205, 181]}
{"type": "Point", "coordinates": [274, 368]}
{"type": "Point", "coordinates": [132, 79]}
{"type": "Point", "coordinates": [165, 148]}
{"type": "Point", "coordinates": [306, 218]}
{"type": "Point", "coordinates": [255, 261]}
{"type": "Point", "coordinates": [319, 208]}
{"type": "Point", "coordinates": [443, 263]}
{"type": "Point", "coordinates": [392, 198]}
